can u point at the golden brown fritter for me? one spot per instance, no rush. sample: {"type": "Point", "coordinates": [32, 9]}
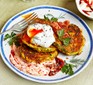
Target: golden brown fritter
{"type": "Point", "coordinates": [71, 41]}
{"type": "Point", "coordinates": [39, 48]}
{"type": "Point", "coordinates": [29, 55]}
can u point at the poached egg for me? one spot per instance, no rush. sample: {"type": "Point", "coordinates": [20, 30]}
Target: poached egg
{"type": "Point", "coordinates": [41, 34]}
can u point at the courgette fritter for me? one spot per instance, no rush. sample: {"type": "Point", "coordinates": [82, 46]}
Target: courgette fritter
{"type": "Point", "coordinates": [29, 55]}
{"type": "Point", "coordinates": [71, 40]}
{"type": "Point", "coordinates": [39, 48]}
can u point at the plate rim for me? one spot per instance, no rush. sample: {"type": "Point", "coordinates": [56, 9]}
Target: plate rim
{"type": "Point", "coordinates": [49, 7]}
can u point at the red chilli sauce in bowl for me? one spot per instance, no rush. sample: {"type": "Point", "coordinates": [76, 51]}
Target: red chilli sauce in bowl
{"type": "Point", "coordinates": [85, 7]}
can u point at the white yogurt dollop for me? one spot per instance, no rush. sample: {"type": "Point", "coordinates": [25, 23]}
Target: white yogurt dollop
{"type": "Point", "coordinates": [44, 38]}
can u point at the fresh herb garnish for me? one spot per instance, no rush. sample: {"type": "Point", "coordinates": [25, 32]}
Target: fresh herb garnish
{"type": "Point", "coordinates": [7, 36]}
{"type": "Point", "coordinates": [60, 33]}
{"type": "Point", "coordinates": [52, 18]}
{"type": "Point", "coordinates": [46, 18]}
{"type": "Point", "coordinates": [66, 41]}
{"type": "Point", "coordinates": [12, 38]}
{"type": "Point", "coordinates": [77, 62]}
{"type": "Point", "coordinates": [61, 16]}
{"type": "Point", "coordinates": [68, 69]}
{"type": "Point", "coordinates": [49, 15]}
{"type": "Point", "coordinates": [12, 34]}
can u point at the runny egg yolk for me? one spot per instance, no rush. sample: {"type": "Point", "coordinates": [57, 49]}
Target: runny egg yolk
{"type": "Point", "coordinates": [32, 32]}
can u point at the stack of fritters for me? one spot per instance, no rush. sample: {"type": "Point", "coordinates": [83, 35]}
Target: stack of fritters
{"type": "Point", "coordinates": [34, 53]}
{"type": "Point", "coordinates": [69, 41]}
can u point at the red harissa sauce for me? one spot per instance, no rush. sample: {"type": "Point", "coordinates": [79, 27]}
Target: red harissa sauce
{"type": "Point", "coordinates": [59, 65]}
{"type": "Point", "coordinates": [88, 5]}
{"type": "Point", "coordinates": [12, 52]}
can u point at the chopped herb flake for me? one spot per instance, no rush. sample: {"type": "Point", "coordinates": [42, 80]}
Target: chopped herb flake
{"type": "Point", "coordinates": [46, 18]}
{"type": "Point", "coordinates": [66, 41]}
{"type": "Point", "coordinates": [7, 36]}
{"type": "Point", "coordinates": [60, 33]}
{"type": "Point", "coordinates": [50, 17]}
{"type": "Point", "coordinates": [54, 19]}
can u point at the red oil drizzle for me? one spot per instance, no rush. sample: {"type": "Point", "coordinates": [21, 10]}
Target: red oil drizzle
{"type": "Point", "coordinates": [12, 53]}
{"type": "Point", "coordinates": [86, 12]}
{"type": "Point", "coordinates": [59, 65]}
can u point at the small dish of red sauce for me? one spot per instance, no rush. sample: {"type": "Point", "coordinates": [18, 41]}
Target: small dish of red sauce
{"type": "Point", "coordinates": [85, 7]}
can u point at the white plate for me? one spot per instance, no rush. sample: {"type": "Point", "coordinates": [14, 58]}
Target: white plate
{"type": "Point", "coordinates": [56, 11]}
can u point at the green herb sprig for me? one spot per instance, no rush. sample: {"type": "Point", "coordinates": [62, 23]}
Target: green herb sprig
{"type": "Point", "coordinates": [60, 33]}
{"type": "Point", "coordinates": [52, 18]}
{"type": "Point", "coordinates": [68, 67]}
{"type": "Point", "coordinates": [12, 38]}
{"type": "Point", "coordinates": [61, 16]}
{"type": "Point", "coordinates": [7, 36]}
{"type": "Point", "coordinates": [65, 41]}
{"type": "Point", "coordinates": [77, 62]}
